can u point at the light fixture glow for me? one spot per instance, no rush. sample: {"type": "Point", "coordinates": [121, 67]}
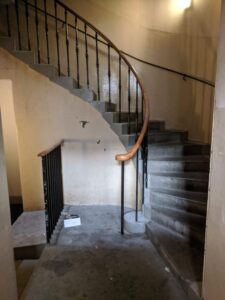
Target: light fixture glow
{"type": "Point", "coordinates": [183, 4]}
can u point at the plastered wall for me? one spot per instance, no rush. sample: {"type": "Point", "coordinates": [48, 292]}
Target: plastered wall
{"type": "Point", "coordinates": [8, 288]}
{"type": "Point", "coordinates": [10, 137]}
{"type": "Point", "coordinates": [45, 113]}
{"type": "Point", "coordinates": [214, 263]}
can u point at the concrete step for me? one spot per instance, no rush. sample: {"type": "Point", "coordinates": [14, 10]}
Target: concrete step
{"type": "Point", "coordinates": [186, 181]}
{"type": "Point", "coordinates": [123, 128]}
{"type": "Point", "coordinates": [191, 226]}
{"type": "Point", "coordinates": [47, 70]}
{"type": "Point", "coordinates": [65, 81]}
{"type": "Point", "coordinates": [84, 93]}
{"type": "Point", "coordinates": [133, 226]}
{"type": "Point", "coordinates": [103, 106]}
{"type": "Point", "coordinates": [7, 43]}
{"type": "Point", "coordinates": [156, 137]}
{"type": "Point", "coordinates": [194, 195]}
{"type": "Point", "coordinates": [26, 56]}
{"type": "Point", "coordinates": [114, 117]}
{"type": "Point", "coordinates": [195, 163]}
{"type": "Point", "coordinates": [184, 204]}
{"type": "Point", "coordinates": [176, 149]}
{"type": "Point", "coordinates": [184, 260]}
{"type": "Point", "coordinates": [29, 235]}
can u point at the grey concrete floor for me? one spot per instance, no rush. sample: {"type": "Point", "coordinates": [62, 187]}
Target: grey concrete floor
{"type": "Point", "coordinates": [94, 262]}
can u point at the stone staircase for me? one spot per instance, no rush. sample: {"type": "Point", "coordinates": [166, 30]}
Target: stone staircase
{"type": "Point", "coordinates": [177, 169]}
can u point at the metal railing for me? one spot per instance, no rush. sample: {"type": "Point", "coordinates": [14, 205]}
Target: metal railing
{"type": "Point", "coordinates": [47, 27]}
{"type": "Point", "coordinates": [53, 187]}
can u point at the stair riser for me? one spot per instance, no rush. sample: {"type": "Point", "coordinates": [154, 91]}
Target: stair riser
{"type": "Point", "coordinates": [7, 43]}
{"type": "Point", "coordinates": [178, 203]}
{"type": "Point", "coordinates": [66, 82]}
{"type": "Point", "coordinates": [155, 137]}
{"type": "Point", "coordinates": [178, 227]}
{"type": "Point", "coordinates": [104, 106]}
{"type": "Point", "coordinates": [27, 57]}
{"type": "Point", "coordinates": [177, 183]}
{"type": "Point", "coordinates": [121, 128]}
{"type": "Point", "coordinates": [178, 150]}
{"type": "Point", "coordinates": [167, 137]}
{"type": "Point", "coordinates": [177, 166]}
{"type": "Point", "coordinates": [114, 118]}
{"type": "Point", "coordinates": [46, 70]}
{"type": "Point", "coordinates": [84, 93]}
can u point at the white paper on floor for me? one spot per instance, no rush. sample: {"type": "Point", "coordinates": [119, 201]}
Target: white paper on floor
{"type": "Point", "coordinates": [72, 221]}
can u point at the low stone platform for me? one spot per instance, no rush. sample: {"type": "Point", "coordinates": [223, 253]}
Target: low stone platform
{"type": "Point", "coordinates": [29, 235]}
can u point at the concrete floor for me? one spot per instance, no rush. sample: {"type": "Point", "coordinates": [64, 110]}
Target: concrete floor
{"type": "Point", "coordinates": [94, 262]}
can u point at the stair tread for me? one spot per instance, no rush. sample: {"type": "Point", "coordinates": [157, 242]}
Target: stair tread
{"type": "Point", "coordinates": [191, 176]}
{"type": "Point", "coordinates": [158, 132]}
{"type": "Point", "coordinates": [194, 221]}
{"type": "Point", "coordinates": [186, 158]}
{"type": "Point", "coordinates": [179, 143]}
{"type": "Point", "coordinates": [184, 259]}
{"type": "Point", "coordinates": [187, 195]}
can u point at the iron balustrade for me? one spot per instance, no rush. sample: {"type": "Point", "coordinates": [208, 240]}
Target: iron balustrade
{"type": "Point", "coordinates": [53, 187]}
{"type": "Point", "coordinates": [55, 27]}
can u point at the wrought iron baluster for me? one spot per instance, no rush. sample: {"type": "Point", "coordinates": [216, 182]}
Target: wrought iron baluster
{"type": "Point", "coordinates": [86, 54]}
{"type": "Point", "coordinates": [67, 44]}
{"type": "Point", "coordinates": [37, 31]}
{"type": "Point", "coordinates": [27, 25]}
{"type": "Point", "coordinates": [109, 75]}
{"type": "Point", "coordinates": [137, 123]}
{"type": "Point", "coordinates": [129, 100]}
{"type": "Point", "coordinates": [18, 24]}
{"type": "Point", "coordinates": [122, 197]}
{"type": "Point", "coordinates": [97, 64]}
{"type": "Point", "coordinates": [7, 20]}
{"type": "Point", "coordinates": [57, 39]}
{"type": "Point", "coordinates": [143, 176]}
{"type": "Point", "coordinates": [137, 171]}
{"type": "Point", "coordinates": [46, 32]}
{"type": "Point", "coordinates": [120, 89]}
{"type": "Point", "coordinates": [45, 183]}
{"type": "Point", "coordinates": [77, 54]}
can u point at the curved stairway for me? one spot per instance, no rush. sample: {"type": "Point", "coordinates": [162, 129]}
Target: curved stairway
{"type": "Point", "coordinates": [177, 170]}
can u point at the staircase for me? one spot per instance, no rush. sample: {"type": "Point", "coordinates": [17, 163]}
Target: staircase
{"type": "Point", "coordinates": [174, 170]}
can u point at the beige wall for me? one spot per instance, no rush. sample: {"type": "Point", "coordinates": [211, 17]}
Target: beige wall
{"type": "Point", "coordinates": [214, 266]}
{"type": "Point", "coordinates": [91, 174]}
{"type": "Point", "coordinates": [156, 31]}
{"type": "Point", "coordinates": [46, 113]}
{"type": "Point", "coordinates": [10, 136]}
{"type": "Point", "coordinates": [8, 286]}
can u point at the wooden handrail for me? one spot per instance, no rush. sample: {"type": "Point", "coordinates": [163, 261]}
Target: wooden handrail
{"type": "Point", "coordinates": [50, 149]}
{"type": "Point", "coordinates": [130, 154]}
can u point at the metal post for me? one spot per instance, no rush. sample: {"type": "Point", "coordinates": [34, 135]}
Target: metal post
{"type": "Point", "coordinates": [122, 198]}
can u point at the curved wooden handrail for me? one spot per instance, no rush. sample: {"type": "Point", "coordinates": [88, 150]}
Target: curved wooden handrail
{"type": "Point", "coordinates": [130, 154]}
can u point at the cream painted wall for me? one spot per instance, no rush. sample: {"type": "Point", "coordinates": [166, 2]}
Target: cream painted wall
{"type": "Point", "coordinates": [8, 288]}
{"type": "Point", "coordinates": [91, 175]}
{"type": "Point", "coordinates": [214, 263]}
{"type": "Point", "coordinates": [46, 113]}
{"type": "Point", "coordinates": [10, 136]}
{"type": "Point", "coordinates": [156, 31]}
